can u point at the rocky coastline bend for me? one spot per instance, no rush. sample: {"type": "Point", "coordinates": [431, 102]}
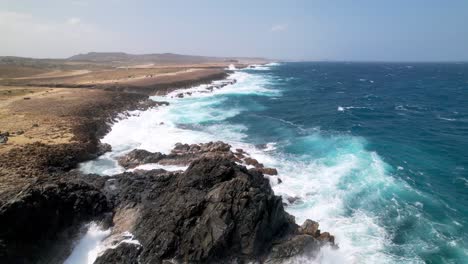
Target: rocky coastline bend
{"type": "Point", "coordinates": [216, 211]}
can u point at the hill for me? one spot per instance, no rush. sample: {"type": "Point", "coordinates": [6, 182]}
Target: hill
{"type": "Point", "coordinates": [156, 58]}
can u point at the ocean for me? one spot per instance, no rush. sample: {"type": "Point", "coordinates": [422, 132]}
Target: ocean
{"type": "Point", "coordinates": [377, 153]}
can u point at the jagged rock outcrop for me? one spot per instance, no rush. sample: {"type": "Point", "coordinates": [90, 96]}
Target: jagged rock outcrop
{"type": "Point", "coordinates": [215, 212]}
{"type": "Point", "coordinates": [184, 154]}
{"type": "Point", "coordinates": [45, 216]}
{"type": "Point", "coordinates": [138, 157]}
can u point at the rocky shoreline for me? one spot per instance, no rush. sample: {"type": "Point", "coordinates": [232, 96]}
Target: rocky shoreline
{"type": "Point", "coordinates": [216, 211]}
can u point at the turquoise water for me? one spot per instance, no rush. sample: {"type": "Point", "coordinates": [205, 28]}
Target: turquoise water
{"type": "Point", "coordinates": [377, 153]}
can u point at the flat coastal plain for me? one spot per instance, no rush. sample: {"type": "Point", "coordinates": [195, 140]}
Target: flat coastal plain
{"type": "Point", "coordinates": [53, 112]}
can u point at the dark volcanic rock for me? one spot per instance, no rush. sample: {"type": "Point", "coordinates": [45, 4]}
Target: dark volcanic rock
{"type": "Point", "coordinates": [269, 171]}
{"type": "Point", "coordinates": [139, 156]}
{"type": "Point", "coordinates": [310, 227]}
{"type": "Point", "coordinates": [253, 162]}
{"type": "Point", "coordinates": [181, 155]}
{"type": "Point", "coordinates": [293, 199]}
{"type": "Point", "coordinates": [184, 154]}
{"type": "Point", "coordinates": [300, 245]}
{"type": "Point", "coordinates": [124, 253]}
{"type": "Point", "coordinates": [103, 148]}
{"type": "Point", "coordinates": [184, 149]}
{"type": "Point", "coordinates": [44, 214]}
{"type": "Point", "coordinates": [214, 212]}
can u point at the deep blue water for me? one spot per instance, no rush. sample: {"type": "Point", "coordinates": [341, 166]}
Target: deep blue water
{"type": "Point", "coordinates": [414, 116]}
{"type": "Point", "coordinates": [376, 152]}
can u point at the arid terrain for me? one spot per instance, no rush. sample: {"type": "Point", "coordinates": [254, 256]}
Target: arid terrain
{"type": "Point", "coordinates": [38, 98]}
{"type": "Point", "coordinates": [50, 104]}
{"type": "Point", "coordinates": [53, 114]}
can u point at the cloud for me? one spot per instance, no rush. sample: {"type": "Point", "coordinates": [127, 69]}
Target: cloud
{"type": "Point", "coordinates": [29, 35]}
{"type": "Point", "coordinates": [279, 27]}
{"type": "Point", "coordinates": [74, 21]}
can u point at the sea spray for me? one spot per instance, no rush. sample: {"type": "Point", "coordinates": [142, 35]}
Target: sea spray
{"type": "Point", "coordinates": [89, 246]}
{"type": "Point", "coordinates": [335, 176]}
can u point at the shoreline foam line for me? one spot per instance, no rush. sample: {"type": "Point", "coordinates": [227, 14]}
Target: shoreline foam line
{"type": "Point", "coordinates": [329, 176]}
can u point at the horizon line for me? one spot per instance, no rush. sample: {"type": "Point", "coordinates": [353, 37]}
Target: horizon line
{"type": "Point", "coordinates": [251, 57]}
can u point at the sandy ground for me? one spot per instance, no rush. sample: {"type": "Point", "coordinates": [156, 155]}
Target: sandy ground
{"type": "Point", "coordinates": [135, 75]}
{"type": "Point", "coordinates": [53, 128]}
{"type": "Point", "coordinates": [44, 114]}
{"type": "Point", "coordinates": [36, 114]}
{"type": "Point", "coordinates": [55, 74]}
{"type": "Point", "coordinates": [115, 76]}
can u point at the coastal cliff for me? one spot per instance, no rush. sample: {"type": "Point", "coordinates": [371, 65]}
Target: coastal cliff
{"type": "Point", "coordinates": [216, 211]}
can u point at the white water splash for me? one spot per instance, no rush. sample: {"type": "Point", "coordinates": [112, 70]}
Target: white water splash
{"type": "Point", "coordinates": [89, 247]}
{"type": "Point", "coordinates": [324, 183]}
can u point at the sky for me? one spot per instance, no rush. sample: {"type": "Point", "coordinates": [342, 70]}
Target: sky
{"type": "Point", "coordinates": [345, 30]}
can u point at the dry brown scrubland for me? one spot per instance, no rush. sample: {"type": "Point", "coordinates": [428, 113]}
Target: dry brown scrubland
{"type": "Point", "coordinates": [60, 111]}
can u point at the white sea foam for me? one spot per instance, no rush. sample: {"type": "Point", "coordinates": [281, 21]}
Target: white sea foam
{"type": "Point", "coordinates": [95, 242]}
{"type": "Point", "coordinates": [326, 177]}
{"type": "Point", "coordinates": [153, 166]}
{"type": "Point", "coordinates": [263, 67]}
{"type": "Point", "coordinates": [89, 247]}
{"type": "Point", "coordinates": [160, 129]}
{"type": "Point", "coordinates": [446, 118]}
{"type": "Point", "coordinates": [343, 108]}
{"type": "Point", "coordinates": [270, 147]}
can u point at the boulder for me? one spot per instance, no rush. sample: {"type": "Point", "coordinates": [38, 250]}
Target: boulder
{"type": "Point", "coordinates": [138, 157]}
{"type": "Point", "coordinates": [293, 199]}
{"type": "Point", "coordinates": [253, 162]}
{"type": "Point", "coordinates": [310, 227]}
{"type": "Point", "coordinates": [268, 171]}
{"type": "Point", "coordinates": [240, 151]}
{"type": "Point", "coordinates": [301, 245]}
{"type": "Point", "coordinates": [146, 104]}
{"type": "Point", "coordinates": [326, 238]}
{"type": "Point", "coordinates": [101, 149]}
